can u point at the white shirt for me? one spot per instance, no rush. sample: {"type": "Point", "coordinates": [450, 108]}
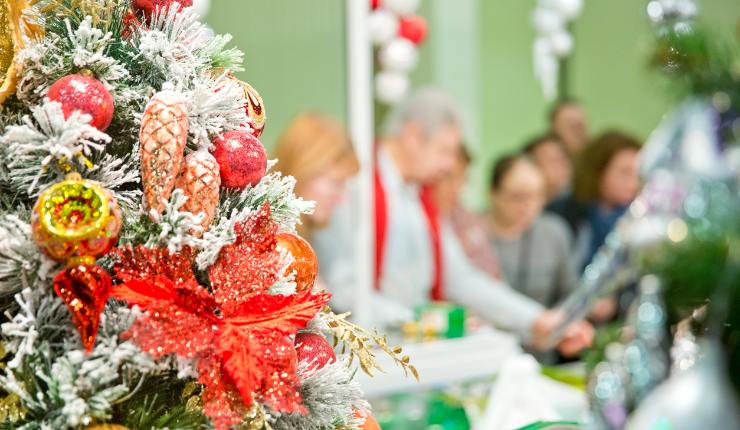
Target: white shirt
{"type": "Point", "coordinates": [408, 269]}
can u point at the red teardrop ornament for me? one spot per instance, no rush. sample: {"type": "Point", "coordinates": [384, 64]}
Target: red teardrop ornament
{"type": "Point", "coordinates": [85, 289]}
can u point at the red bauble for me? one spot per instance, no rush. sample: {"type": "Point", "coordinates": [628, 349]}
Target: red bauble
{"type": "Point", "coordinates": [314, 349]}
{"type": "Point", "coordinates": [148, 7]}
{"type": "Point", "coordinates": [85, 289]}
{"type": "Point", "coordinates": [84, 93]}
{"type": "Point", "coordinates": [305, 265]}
{"type": "Point", "coordinates": [413, 28]}
{"type": "Point", "coordinates": [374, 4]}
{"type": "Point", "coordinates": [241, 158]}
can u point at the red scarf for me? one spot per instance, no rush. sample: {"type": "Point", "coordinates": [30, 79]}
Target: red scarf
{"type": "Point", "coordinates": [426, 199]}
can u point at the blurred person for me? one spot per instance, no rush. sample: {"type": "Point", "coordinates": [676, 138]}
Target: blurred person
{"type": "Point", "coordinates": [417, 257]}
{"type": "Point", "coordinates": [554, 161]}
{"type": "Point", "coordinates": [316, 150]}
{"type": "Point", "coordinates": [605, 181]}
{"type": "Point", "coordinates": [533, 248]}
{"type": "Point", "coordinates": [569, 123]}
{"type": "Point", "coordinates": [470, 228]}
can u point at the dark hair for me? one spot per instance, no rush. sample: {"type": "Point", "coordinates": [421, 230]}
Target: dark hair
{"type": "Point", "coordinates": [503, 166]}
{"type": "Point", "coordinates": [560, 105]}
{"type": "Point", "coordinates": [464, 154]}
{"type": "Point", "coordinates": [594, 160]}
{"type": "Point", "coordinates": [532, 144]}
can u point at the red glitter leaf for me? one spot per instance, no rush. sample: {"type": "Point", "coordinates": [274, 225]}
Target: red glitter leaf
{"type": "Point", "coordinates": [238, 336]}
{"type": "Point", "coordinates": [169, 329]}
{"type": "Point", "coordinates": [283, 314]}
{"type": "Point", "coordinates": [221, 403]}
{"type": "Point", "coordinates": [251, 264]}
{"type": "Point", "coordinates": [146, 263]}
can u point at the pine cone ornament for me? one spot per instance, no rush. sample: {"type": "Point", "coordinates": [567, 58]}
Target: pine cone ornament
{"type": "Point", "coordinates": [163, 134]}
{"type": "Point", "coordinates": [200, 181]}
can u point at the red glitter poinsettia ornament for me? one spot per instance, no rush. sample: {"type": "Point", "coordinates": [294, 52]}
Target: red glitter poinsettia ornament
{"type": "Point", "coordinates": [241, 345]}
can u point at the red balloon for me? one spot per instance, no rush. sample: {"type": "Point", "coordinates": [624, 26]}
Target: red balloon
{"type": "Point", "coordinates": [413, 28]}
{"type": "Point", "coordinates": [86, 94]}
{"type": "Point", "coordinates": [374, 4]}
{"type": "Point", "coordinates": [314, 349]}
{"type": "Point", "coordinates": [241, 159]}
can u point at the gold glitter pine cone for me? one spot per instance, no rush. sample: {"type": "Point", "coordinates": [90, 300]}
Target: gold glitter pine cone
{"type": "Point", "coordinates": [200, 180]}
{"type": "Point", "coordinates": [163, 134]}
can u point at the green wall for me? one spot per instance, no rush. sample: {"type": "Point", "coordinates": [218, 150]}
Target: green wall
{"type": "Point", "coordinates": [294, 54]}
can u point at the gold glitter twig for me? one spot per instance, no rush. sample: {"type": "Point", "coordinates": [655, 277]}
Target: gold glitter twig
{"type": "Point", "coordinates": [359, 343]}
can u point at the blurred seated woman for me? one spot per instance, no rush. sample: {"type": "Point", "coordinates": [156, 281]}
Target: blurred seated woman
{"type": "Point", "coordinates": [605, 182]}
{"type": "Point", "coordinates": [550, 155]}
{"type": "Point", "coordinates": [533, 248]}
{"type": "Point", "coordinates": [316, 150]}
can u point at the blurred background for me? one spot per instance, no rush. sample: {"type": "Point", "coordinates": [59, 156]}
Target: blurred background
{"type": "Point", "coordinates": [480, 51]}
{"type": "Point", "coordinates": [497, 355]}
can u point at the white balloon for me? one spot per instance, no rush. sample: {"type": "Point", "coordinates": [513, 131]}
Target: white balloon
{"type": "Point", "coordinates": [402, 7]}
{"type": "Point", "coordinates": [400, 55]}
{"type": "Point", "coordinates": [383, 26]}
{"type": "Point", "coordinates": [542, 47]}
{"type": "Point", "coordinates": [568, 9]}
{"type": "Point", "coordinates": [391, 87]}
{"type": "Point", "coordinates": [561, 44]}
{"type": "Point", "coordinates": [201, 7]}
{"type": "Point", "coordinates": [547, 21]}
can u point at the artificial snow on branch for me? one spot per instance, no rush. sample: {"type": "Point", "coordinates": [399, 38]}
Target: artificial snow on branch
{"type": "Point", "coordinates": [331, 396]}
{"type": "Point", "coordinates": [21, 263]}
{"type": "Point", "coordinates": [215, 106]}
{"type": "Point", "coordinates": [177, 229]}
{"type": "Point", "coordinates": [275, 189]}
{"type": "Point", "coordinates": [46, 146]}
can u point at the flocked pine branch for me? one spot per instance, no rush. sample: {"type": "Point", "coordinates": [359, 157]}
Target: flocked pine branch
{"type": "Point", "coordinates": [332, 397]}
{"type": "Point", "coordinates": [177, 229]}
{"type": "Point", "coordinates": [236, 207]}
{"type": "Point", "coordinates": [215, 106]}
{"type": "Point", "coordinates": [44, 148]}
{"type": "Point", "coordinates": [22, 265]}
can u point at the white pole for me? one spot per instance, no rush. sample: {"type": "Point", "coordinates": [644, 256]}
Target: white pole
{"type": "Point", "coordinates": [360, 106]}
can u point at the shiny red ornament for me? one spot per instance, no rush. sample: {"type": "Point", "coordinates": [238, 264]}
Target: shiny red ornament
{"type": "Point", "coordinates": [314, 349]}
{"type": "Point", "coordinates": [82, 92]}
{"type": "Point", "coordinates": [149, 7]}
{"type": "Point", "coordinates": [241, 348]}
{"type": "Point", "coordinates": [413, 28]}
{"type": "Point", "coordinates": [84, 289]}
{"type": "Point", "coordinates": [241, 157]}
{"type": "Point", "coordinates": [305, 265]}
{"type": "Point", "coordinates": [374, 4]}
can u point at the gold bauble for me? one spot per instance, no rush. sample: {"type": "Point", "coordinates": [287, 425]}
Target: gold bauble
{"type": "Point", "coordinates": [13, 26]}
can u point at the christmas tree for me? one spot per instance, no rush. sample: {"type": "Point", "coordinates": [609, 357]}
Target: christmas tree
{"type": "Point", "coordinates": [150, 274]}
{"type": "Point", "coordinates": [673, 362]}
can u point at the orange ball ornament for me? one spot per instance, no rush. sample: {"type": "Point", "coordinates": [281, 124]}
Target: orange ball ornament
{"type": "Point", "coordinates": [305, 265]}
{"type": "Point", "coordinates": [370, 422]}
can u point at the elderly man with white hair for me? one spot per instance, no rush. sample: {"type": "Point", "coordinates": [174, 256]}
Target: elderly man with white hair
{"type": "Point", "coordinates": [418, 258]}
